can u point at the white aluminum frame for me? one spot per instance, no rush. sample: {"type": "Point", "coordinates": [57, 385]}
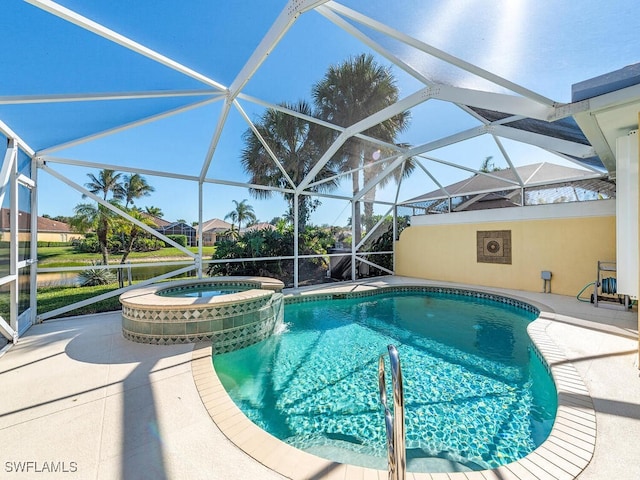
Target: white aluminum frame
{"type": "Point", "coordinates": [522, 104]}
{"type": "Point", "coordinates": [18, 323]}
{"type": "Point", "coordinates": [8, 174]}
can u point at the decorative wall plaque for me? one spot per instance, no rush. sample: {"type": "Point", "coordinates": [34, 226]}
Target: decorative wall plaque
{"type": "Point", "coordinates": [494, 246]}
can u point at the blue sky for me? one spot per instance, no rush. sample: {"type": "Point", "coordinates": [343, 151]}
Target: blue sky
{"type": "Point", "coordinates": [543, 45]}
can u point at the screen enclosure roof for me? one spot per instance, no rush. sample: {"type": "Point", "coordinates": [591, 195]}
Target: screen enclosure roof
{"type": "Point", "coordinates": [170, 87]}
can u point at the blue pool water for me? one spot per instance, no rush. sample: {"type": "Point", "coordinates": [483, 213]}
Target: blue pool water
{"type": "Point", "coordinates": [198, 292]}
{"type": "Point", "coordinates": [476, 394]}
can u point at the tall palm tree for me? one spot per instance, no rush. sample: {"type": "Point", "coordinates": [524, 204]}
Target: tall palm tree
{"type": "Point", "coordinates": [107, 181]}
{"type": "Point", "coordinates": [242, 213]}
{"type": "Point", "coordinates": [348, 93]}
{"type": "Point", "coordinates": [296, 143]}
{"type": "Point", "coordinates": [135, 186]}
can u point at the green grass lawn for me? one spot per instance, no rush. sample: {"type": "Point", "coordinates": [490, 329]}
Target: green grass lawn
{"type": "Point", "coordinates": [68, 257]}
{"type": "Point", "coordinates": [51, 298]}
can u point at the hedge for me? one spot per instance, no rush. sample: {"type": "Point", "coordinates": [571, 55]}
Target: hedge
{"type": "Point", "coordinates": [179, 239]}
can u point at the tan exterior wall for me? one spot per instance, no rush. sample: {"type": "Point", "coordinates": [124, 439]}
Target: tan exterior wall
{"type": "Point", "coordinates": [59, 237]}
{"type": "Point", "coordinates": [570, 248]}
{"type": "Point", "coordinates": [208, 239]}
{"type": "Point", "coordinates": [43, 237]}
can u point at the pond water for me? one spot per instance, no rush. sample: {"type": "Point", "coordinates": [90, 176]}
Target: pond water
{"type": "Point", "coordinates": [61, 279]}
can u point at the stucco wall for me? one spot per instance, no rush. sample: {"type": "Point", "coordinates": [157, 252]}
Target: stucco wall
{"type": "Point", "coordinates": [43, 236]}
{"type": "Point", "coordinates": [567, 242]}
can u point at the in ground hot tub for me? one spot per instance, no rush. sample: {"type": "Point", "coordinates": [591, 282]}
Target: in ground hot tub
{"type": "Point", "coordinates": [232, 312]}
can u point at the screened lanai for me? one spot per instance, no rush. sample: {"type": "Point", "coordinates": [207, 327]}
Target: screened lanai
{"type": "Point", "coordinates": [173, 90]}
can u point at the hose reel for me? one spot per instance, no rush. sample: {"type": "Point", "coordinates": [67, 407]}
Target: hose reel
{"type": "Point", "coordinates": [608, 285]}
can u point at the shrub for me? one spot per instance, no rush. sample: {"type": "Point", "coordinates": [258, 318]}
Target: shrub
{"type": "Point", "coordinates": [54, 244]}
{"type": "Point", "coordinates": [141, 244]}
{"type": "Point", "coordinates": [179, 239]}
{"type": "Point", "coordinates": [272, 243]}
{"type": "Point", "coordinates": [114, 244]}
{"type": "Point", "coordinates": [88, 245]}
{"type": "Point", "coordinates": [97, 276]}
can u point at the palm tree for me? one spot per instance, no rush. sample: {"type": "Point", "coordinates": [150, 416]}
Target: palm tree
{"type": "Point", "coordinates": [95, 217]}
{"type": "Point", "coordinates": [100, 217]}
{"type": "Point", "coordinates": [488, 165]}
{"type": "Point", "coordinates": [296, 143]}
{"type": "Point", "coordinates": [351, 92]}
{"type": "Point", "coordinates": [107, 181]}
{"type": "Point", "coordinates": [154, 211]}
{"type": "Point", "coordinates": [135, 186]}
{"type": "Point", "coordinates": [242, 213]}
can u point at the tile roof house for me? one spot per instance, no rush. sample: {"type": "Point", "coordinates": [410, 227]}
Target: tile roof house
{"type": "Point", "coordinates": [216, 229]}
{"type": "Point", "coordinates": [49, 230]}
{"type": "Point", "coordinates": [213, 230]}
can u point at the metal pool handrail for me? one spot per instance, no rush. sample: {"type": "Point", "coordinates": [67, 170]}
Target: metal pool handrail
{"type": "Point", "coordinates": [396, 453]}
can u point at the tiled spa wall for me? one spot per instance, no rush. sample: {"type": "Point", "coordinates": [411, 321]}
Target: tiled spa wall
{"type": "Point", "coordinates": [229, 326]}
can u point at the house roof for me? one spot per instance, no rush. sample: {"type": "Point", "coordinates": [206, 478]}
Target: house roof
{"type": "Point", "coordinates": [157, 221]}
{"type": "Point", "coordinates": [488, 201]}
{"type": "Point", "coordinates": [258, 226]}
{"type": "Point", "coordinates": [24, 223]}
{"type": "Point", "coordinates": [215, 225]}
{"type": "Point", "coordinates": [181, 225]}
{"type": "Point", "coordinates": [508, 179]}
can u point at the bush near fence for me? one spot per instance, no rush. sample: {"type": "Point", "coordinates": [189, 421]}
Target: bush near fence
{"type": "Point", "coordinates": [179, 239]}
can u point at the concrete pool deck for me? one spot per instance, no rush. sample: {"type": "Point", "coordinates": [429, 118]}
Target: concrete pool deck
{"type": "Point", "coordinates": [80, 401]}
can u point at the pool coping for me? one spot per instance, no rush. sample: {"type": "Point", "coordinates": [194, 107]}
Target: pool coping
{"type": "Point", "coordinates": [147, 296]}
{"type": "Point", "coordinates": [562, 456]}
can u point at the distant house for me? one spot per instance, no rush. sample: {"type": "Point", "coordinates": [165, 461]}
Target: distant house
{"type": "Point", "coordinates": [156, 221]}
{"type": "Point", "coordinates": [174, 228]}
{"type": "Point", "coordinates": [181, 228]}
{"type": "Point", "coordinates": [48, 230]}
{"type": "Point", "coordinates": [213, 230]}
{"type": "Point", "coordinates": [258, 226]}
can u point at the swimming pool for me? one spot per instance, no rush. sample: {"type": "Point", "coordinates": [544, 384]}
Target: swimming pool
{"type": "Point", "coordinates": [476, 394]}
